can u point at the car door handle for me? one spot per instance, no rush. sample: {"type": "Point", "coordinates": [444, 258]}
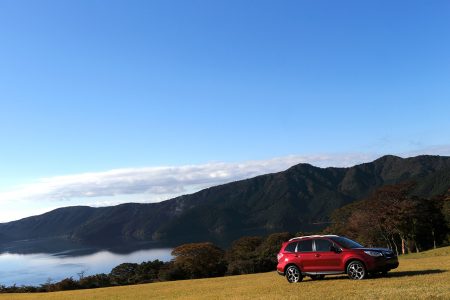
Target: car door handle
{"type": "Point", "coordinates": [317, 255]}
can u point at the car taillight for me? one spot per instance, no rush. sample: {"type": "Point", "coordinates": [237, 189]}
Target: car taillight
{"type": "Point", "coordinates": [279, 256]}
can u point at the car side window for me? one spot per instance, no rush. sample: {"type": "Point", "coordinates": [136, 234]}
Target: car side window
{"type": "Point", "coordinates": [304, 246]}
{"type": "Point", "coordinates": [291, 247]}
{"type": "Point", "coordinates": [323, 245]}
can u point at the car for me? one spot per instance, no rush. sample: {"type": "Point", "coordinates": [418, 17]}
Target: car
{"type": "Point", "coordinates": [319, 255]}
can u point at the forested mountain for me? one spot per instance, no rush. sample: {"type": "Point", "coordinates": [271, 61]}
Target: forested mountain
{"type": "Point", "coordinates": [298, 199]}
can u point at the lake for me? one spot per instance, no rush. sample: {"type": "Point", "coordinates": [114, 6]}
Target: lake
{"type": "Point", "coordinates": [38, 268]}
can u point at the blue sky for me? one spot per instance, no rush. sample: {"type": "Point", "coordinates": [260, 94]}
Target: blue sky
{"type": "Point", "coordinates": [99, 86]}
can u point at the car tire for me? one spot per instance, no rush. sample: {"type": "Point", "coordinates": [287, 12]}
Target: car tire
{"type": "Point", "coordinates": [293, 274]}
{"type": "Point", "coordinates": [356, 270]}
{"type": "Point", "coordinates": [317, 277]}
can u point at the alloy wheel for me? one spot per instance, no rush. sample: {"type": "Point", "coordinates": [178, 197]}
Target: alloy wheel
{"type": "Point", "coordinates": [293, 274]}
{"type": "Point", "coordinates": [356, 270]}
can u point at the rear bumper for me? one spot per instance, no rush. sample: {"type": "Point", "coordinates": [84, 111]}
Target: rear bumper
{"type": "Point", "coordinates": [280, 268]}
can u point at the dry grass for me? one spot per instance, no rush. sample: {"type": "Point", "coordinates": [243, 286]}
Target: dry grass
{"type": "Point", "coordinates": [420, 276]}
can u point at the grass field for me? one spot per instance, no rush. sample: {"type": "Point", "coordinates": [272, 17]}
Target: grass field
{"type": "Point", "coordinates": [420, 276]}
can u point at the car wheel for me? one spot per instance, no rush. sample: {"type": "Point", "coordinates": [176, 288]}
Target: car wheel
{"type": "Point", "coordinates": [293, 274]}
{"type": "Point", "coordinates": [317, 277]}
{"type": "Point", "coordinates": [356, 270]}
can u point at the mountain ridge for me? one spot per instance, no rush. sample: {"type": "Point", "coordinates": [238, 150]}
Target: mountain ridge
{"type": "Point", "coordinates": [297, 199]}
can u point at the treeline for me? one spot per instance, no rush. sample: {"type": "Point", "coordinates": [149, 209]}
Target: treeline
{"type": "Point", "coordinates": [197, 260]}
{"type": "Point", "coordinates": [395, 218]}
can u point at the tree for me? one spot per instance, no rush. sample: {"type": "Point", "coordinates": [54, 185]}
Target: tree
{"type": "Point", "coordinates": [392, 215]}
{"type": "Point", "coordinates": [269, 249]}
{"type": "Point", "coordinates": [446, 213]}
{"type": "Point", "coordinates": [434, 226]}
{"type": "Point", "coordinates": [170, 271]}
{"type": "Point", "coordinates": [198, 260]}
{"type": "Point", "coordinates": [124, 274]}
{"type": "Point", "coordinates": [149, 271]}
{"type": "Point", "coordinates": [243, 257]}
{"type": "Point", "coordinates": [95, 281]}
{"type": "Point", "coordinates": [340, 219]}
{"type": "Point", "coordinates": [67, 284]}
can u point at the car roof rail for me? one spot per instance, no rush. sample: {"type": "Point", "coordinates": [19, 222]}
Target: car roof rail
{"type": "Point", "coordinates": [311, 236]}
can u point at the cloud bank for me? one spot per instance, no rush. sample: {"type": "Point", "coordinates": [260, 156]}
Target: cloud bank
{"type": "Point", "coordinates": [154, 184]}
{"type": "Point", "coordinates": [157, 182]}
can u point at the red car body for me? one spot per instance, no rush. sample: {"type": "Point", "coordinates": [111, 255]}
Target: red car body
{"type": "Point", "coordinates": [321, 255]}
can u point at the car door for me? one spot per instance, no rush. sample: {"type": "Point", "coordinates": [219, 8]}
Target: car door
{"type": "Point", "coordinates": [289, 252]}
{"type": "Point", "coordinates": [304, 255]}
{"type": "Point", "coordinates": [326, 258]}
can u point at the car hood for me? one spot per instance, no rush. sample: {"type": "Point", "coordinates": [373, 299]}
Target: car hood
{"type": "Point", "coordinates": [382, 250]}
{"type": "Point", "coordinates": [375, 249]}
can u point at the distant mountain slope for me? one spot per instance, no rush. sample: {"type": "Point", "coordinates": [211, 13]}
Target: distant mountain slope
{"type": "Point", "coordinates": [298, 199]}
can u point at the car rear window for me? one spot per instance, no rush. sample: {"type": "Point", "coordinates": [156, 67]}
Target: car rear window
{"type": "Point", "coordinates": [291, 247]}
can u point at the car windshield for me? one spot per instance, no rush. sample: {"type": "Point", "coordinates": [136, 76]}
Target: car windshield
{"type": "Point", "coordinates": [345, 242]}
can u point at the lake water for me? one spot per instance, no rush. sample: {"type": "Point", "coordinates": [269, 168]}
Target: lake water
{"type": "Point", "coordinates": [36, 269]}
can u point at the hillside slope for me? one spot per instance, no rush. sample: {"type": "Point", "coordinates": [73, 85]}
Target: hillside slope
{"type": "Point", "coordinates": [298, 199]}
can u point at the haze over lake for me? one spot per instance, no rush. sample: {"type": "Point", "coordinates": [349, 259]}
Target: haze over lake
{"type": "Point", "coordinates": [36, 269]}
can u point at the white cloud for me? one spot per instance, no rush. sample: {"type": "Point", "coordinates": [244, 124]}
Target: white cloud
{"type": "Point", "coordinates": [167, 180]}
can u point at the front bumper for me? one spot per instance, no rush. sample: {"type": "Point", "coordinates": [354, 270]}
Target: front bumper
{"type": "Point", "coordinates": [382, 264]}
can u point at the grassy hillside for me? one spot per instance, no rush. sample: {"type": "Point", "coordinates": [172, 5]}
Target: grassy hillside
{"type": "Point", "coordinates": [424, 275]}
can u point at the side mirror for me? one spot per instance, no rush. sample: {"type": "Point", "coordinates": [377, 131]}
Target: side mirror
{"type": "Point", "coordinates": [335, 249]}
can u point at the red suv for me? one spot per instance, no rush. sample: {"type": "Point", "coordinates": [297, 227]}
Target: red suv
{"type": "Point", "coordinates": [320, 255]}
